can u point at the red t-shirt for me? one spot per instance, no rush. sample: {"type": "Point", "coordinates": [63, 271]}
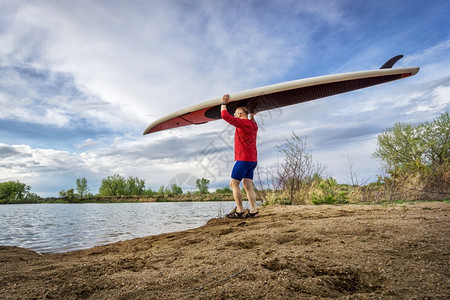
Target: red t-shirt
{"type": "Point", "coordinates": [244, 137]}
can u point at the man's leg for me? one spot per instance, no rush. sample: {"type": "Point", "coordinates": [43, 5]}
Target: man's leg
{"type": "Point", "coordinates": [237, 195]}
{"type": "Point", "coordinates": [251, 195]}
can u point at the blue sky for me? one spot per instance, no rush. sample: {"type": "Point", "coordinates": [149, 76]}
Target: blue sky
{"type": "Point", "coordinates": [81, 80]}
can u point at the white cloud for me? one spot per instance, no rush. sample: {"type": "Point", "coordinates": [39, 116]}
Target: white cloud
{"type": "Point", "coordinates": [137, 64]}
{"type": "Point", "coordinates": [88, 143]}
{"type": "Point", "coordinates": [440, 97]}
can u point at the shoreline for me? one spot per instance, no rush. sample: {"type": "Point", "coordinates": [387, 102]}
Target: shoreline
{"type": "Point", "coordinates": [130, 199]}
{"type": "Point", "coordinates": [67, 249]}
{"type": "Point", "coordinates": [392, 251]}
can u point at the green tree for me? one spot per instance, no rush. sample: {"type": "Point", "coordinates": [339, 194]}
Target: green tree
{"type": "Point", "coordinates": [62, 194]}
{"type": "Point", "coordinates": [11, 191]}
{"type": "Point", "coordinates": [134, 186]}
{"type": "Point", "coordinates": [225, 190]}
{"type": "Point", "coordinates": [176, 190]}
{"type": "Point", "coordinates": [162, 190]}
{"type": "Point", "coordinates": [436, 137]}
{"type": "Point", "coordinates": [82, 187]}
{"type": "Point", "coordinates": [149, 192]}
{"type": "Point", "coordinates": [112, 186]}
{"type": "Point", "coordinates": [400, 146]}
{"type": "Point", "coordinates": [202, 185]}
{"type": "Point", "coordinates": [68, 195]}
{"type": "Point", "coordinates": [413, 147]}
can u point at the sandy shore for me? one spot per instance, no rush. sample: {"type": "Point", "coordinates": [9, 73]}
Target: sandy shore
{"type": "Point", "coordinates": [290, 252]}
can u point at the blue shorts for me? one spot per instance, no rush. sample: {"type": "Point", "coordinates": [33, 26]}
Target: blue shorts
{"type": "Point", "coordinates": [243, 169]}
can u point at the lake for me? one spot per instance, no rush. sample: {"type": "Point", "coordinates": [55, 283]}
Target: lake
{"type": "Point", "coordinates": [52, 228]}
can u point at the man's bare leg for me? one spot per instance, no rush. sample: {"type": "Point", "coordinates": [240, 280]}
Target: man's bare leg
{"type": "Point", "coordinates": [251, 194]}
{"type": "Point", "coordinates": [237, 195]}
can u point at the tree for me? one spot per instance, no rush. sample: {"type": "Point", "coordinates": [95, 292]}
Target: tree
{"type": "Point", "coordinates": [298, 170]}
{"type": "Point", "coordinates": [400, 146]}
{"type": "Point", "coordinates": [82, 187]}
{"type": "Point", "coordinates": [436, 136]}
{"type": "Point", "coordinates": [415, 146]}
{"type": "Point", "coordinates": [112, 186]}
{"type": "Point", "coordinates": [176, 190]}
{"type": "Point", "coordinates": [68, 195]}
{"type": "Point", "coordinates": [202, 185]}
{"type": "Point", "coordinates": [162, 190]}
{"type": "Point", "coordinates": [416, 159]}
{"type": "Point", "coordinates": [134, 186]}
{"type": "Point", "coordinates": [13, 191]}
{"type": "Point", "coordinates": [117, 185]}
{"type": "Point", "coordinates": [149, 192]}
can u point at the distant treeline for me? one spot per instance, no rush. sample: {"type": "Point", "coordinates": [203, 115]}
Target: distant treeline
{"type": "Point", "coordinates": [114, 188]}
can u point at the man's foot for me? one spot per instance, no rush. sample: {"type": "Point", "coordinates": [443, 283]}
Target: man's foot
{"type": "Point", "coordinates": [251, 215]}
{"type": "Point", "coordinates": [235, 215]}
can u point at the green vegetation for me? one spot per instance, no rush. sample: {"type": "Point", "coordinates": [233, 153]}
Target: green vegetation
{"type": "Point", "coordinates": [225, 190]}
{"type": "Point", "coordinates": [415, 148]}
{"type": "Point", "coordinates": [117, 185]}
{"type": "Point", "coordinates": [415, 160]}
{"type": "Point", "coordinates": [202, 185]}
{"type": "Point", "coordinates": [114, 188]}
{"type": "Point", "coordinates": [328, 191]}
{"type": "Point", "coordinates": [82, 187]}
{"type": "Point", "coordinates": [16, 192]}
{"type": "Point", "coordinates": [68, 195]}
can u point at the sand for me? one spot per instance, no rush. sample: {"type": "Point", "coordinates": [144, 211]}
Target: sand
{"type": "Point", "coordinates": [290, 252]}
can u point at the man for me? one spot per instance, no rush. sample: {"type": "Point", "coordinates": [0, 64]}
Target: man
{"type": "Point", "coordinates": [245, 156]}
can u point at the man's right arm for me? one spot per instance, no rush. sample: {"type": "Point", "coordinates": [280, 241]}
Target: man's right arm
{"type": "Point", "coordinates": [225, 99]}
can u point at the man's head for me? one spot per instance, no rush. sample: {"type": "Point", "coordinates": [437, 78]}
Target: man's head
{"type": "Point", "coordinates": [241, 113]}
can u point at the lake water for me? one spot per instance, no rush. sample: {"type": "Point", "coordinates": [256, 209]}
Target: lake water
{"type": "Point", "coordinates": [51, 228]}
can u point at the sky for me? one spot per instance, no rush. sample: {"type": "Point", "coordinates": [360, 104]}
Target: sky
{"type": "Point", "coordinates": [81, 80]}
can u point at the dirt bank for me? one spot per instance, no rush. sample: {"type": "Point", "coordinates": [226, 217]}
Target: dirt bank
{"type": "Point", "coordinates": [307, 252]}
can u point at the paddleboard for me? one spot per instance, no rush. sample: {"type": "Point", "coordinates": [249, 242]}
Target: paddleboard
{"type": "Point", "coordinates": [283, 94]}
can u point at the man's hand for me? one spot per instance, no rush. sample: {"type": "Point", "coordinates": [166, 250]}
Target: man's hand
{"type": "Point", "coordinates": [226, 98]}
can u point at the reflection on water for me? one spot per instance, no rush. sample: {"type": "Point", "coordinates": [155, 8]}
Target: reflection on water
{"type": "Point", "coordinates": [67, 227]}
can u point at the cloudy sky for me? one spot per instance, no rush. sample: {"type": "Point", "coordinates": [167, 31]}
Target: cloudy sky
{"type": "Point", "coordinates": [81, 80]}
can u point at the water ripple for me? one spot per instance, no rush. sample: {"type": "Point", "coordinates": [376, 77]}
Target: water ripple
{"type": "Point", "coordinates": [52, 228]}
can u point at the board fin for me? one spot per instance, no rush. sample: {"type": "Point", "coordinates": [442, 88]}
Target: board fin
{"type": "Point", "coordinates": [390, 63]}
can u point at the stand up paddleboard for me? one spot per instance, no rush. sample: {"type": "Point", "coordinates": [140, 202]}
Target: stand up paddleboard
{"type": "Point", "coordinates": [284, 94]}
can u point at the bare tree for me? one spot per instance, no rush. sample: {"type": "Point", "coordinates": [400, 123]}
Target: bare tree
{"type": "Point", "coordinates": [293, 177]}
